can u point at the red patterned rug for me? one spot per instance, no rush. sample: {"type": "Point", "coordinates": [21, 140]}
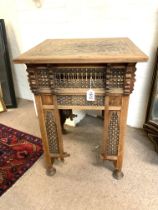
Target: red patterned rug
{"type": "Point", "coordinates": [18, 152]}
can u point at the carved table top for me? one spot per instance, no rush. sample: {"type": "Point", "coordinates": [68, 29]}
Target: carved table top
{"type": "Point", "coordinates": [102, 50]}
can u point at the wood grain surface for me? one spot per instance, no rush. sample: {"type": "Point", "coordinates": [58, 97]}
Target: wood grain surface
{"type": "Point", "coordinates": [103, 50]}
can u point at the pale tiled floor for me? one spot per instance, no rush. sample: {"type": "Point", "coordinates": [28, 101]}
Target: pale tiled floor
{"type": "Point", "coordinates": [83, 182]}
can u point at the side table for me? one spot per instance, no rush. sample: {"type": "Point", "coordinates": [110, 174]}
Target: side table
{"type": "Point", "coordinates": [89, 74]}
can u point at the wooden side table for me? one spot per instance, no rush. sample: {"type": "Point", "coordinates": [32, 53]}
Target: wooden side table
{"type": "Point", "coordinates": [61, 72]}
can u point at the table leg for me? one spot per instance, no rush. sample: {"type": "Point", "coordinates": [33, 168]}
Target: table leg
{"type": "Point", "coordinates": [50, 127]}
{"type": "Point", "coordinates": [115, 116]}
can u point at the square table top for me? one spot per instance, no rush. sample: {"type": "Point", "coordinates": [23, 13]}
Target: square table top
{"type": "Point", "coordinates": [94, 50]}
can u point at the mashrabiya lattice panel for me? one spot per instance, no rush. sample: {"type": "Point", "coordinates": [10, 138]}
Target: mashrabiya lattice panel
{"type": "Point", "coordinates": [79, 101]}
{"type": "Point", "coordinates": [51, 132]}
{"type": "Point", "coordinates": [47, 79]}
{"type": "Point", "coordinates": [113, 134]}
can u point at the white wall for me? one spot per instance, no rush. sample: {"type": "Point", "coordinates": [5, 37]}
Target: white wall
{"type": "Point", "coordinates": [28, 25]}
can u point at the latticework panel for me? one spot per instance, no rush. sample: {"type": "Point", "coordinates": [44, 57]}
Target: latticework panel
{"type": "Point", "coordinates": [115, 77]}
{"type": "Point", "coordinates": [113, 134]}
{"type": "Point", "coordinates": [129, 79]}
{"type": "Point", "coordinates": [42, 78]}
{"type": "Point", "coordinates": [80, 77]}
{"type": "Point", "coordinates": [51, 132]}
{"type": "Point", "coordinates": [70, 100]}
{"type": "Point", "coordinates": [111, 77]}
